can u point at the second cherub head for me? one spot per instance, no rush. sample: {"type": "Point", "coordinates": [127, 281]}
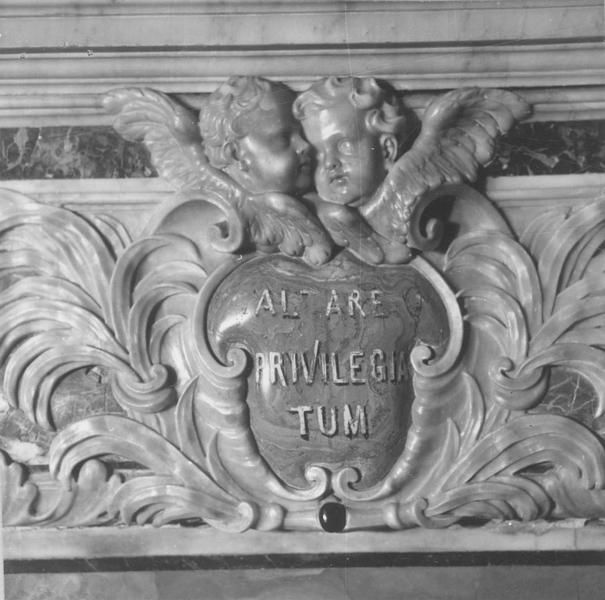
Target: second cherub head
{"type": "Point", "coordinates": [358, 129]}
{"type": "Point", "coordinates": [250, 133]}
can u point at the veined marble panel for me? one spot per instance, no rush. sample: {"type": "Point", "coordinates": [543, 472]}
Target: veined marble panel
{"type": "Point", "coordinates": [70, 153]}
{"type": "Point", "coordinates": [534, 148]}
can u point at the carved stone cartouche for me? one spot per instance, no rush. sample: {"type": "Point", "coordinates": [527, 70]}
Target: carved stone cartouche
{"type": "Point", "coordinates": [271, 379]}
{"type": "Point", "coordinates": [331, 381]}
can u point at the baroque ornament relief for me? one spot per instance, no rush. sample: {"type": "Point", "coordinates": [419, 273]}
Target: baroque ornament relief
{"type": "Point", "coordinates": [296, 341]}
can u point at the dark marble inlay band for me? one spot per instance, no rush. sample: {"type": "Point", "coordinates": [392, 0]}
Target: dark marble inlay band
{"type": "Point", "coordinates": [70, 153]}
{"type": "Point", "coordinates": [551, 148]}
{"type": "Point", "coordinates": [81, 394]}
{"type": "Point", "coordinates": [548, 148]}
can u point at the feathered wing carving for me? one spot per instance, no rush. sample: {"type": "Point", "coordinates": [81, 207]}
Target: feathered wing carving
{"type": "Point", "coordinates": [348, 229]}
{"type": "Point", "coordinates": [279, 222]}
{"type": "Point", "coordinates": [457, 137]}
{"type": "Point", "coordinates": [168, 130]}
{"type": "Point", "coordinates": [270, 222]}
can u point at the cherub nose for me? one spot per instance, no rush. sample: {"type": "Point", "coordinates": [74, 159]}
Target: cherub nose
{"type": "Point", "coordinates": [331, 161]}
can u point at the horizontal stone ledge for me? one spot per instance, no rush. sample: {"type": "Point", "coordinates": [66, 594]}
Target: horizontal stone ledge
{"type": "Point", "coordinates": [510, 191]}
{"type": "Point", "coordinates": [58, 24]}
{"type": "Point", "coordinates": [133, 201]}
{"type": "Point", "coordinates": [136, 193]}
{"type": "Point", "coordinates": [142, 194]}
{"type": "Point", "coordinates": [522, 199]}
{"type": "Point", "coordinates": [567, 542]}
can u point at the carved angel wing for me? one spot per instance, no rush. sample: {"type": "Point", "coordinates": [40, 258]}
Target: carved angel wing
{"type": "Point", "coordinates": [170, 133]}
{"type": "Point", "coordinates": [349, 230]}
{"type": "Point", "coordinates": [457, 137]}
{"type": "Point", "coordinates": [279, 222]}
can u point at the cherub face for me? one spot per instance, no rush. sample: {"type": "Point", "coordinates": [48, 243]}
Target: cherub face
{"type": "Point", "coordinates": [273, 155]}
{"type": "Point", "coordinates": [351, 161]}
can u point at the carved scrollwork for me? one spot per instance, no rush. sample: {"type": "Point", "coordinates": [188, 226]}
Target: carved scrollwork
{"type": "Point", "coordinates": [78, 501]}
{"type": "Point", "coordinates": [275, 350]}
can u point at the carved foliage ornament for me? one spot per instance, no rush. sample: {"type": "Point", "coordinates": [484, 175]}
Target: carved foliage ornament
{"type": "Point", "coordinates": [294, 341]}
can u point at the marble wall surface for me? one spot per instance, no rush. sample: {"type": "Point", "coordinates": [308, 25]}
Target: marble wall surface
{"type": "Point", "coordinates": [390, 583]}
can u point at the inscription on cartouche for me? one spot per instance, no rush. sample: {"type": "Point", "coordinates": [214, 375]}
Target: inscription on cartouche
{"type": "Point", "coordinates": [329, 347]}
{"type": "Point", "coordinates": [355, 368]}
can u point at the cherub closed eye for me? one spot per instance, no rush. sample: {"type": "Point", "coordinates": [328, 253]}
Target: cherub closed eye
{"type": "Point", "coordinates": [367, 182]}
{"type": "Point", "coordinates": [248, 154]}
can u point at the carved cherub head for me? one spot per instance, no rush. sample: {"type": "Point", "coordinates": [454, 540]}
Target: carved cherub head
{"type": "Point", "coordinates": [358, 129]}
{"type": "Point", "coordinates": [250, 133]}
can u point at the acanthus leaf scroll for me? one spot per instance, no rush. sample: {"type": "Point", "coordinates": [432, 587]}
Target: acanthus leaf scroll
{"type": "Point", "coordinates": [181, 319]}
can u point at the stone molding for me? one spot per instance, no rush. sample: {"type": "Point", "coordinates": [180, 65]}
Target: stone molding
{"type": "Point", "coordinates": [66, 106]}
{"type": "Point", "coordinates": [130, 200]}
{"type": "Point", "coordinates": [57, 23]}
{"type": "Point", "coordinates": [558, 190]}
{"type": "Point", "coordinates": [55, 544]}
{"type": "Point", "coordinates": [143, 194]}
{"type": "Point", "coordinates": [522, 198]}
{"type": "Point", "coordinates": [57, 60]}
{"type": "Point", "coordinates": [134, 199]}
{"type": "Point", "coordinates": [199, 71]}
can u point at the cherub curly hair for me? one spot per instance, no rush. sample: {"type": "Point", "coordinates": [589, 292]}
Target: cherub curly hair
{"type": "Point", "coordinates": [221, 116]}
{"type": "Point", "coordinates": [385, 112]}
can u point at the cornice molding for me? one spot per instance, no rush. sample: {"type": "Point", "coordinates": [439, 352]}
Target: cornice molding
{"type": "Point", "coordinates": [182, 71]}
{"type": "Point", "coordinates": [160, 23]}
{"type": "Point", "coordinates": [65, 87]}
